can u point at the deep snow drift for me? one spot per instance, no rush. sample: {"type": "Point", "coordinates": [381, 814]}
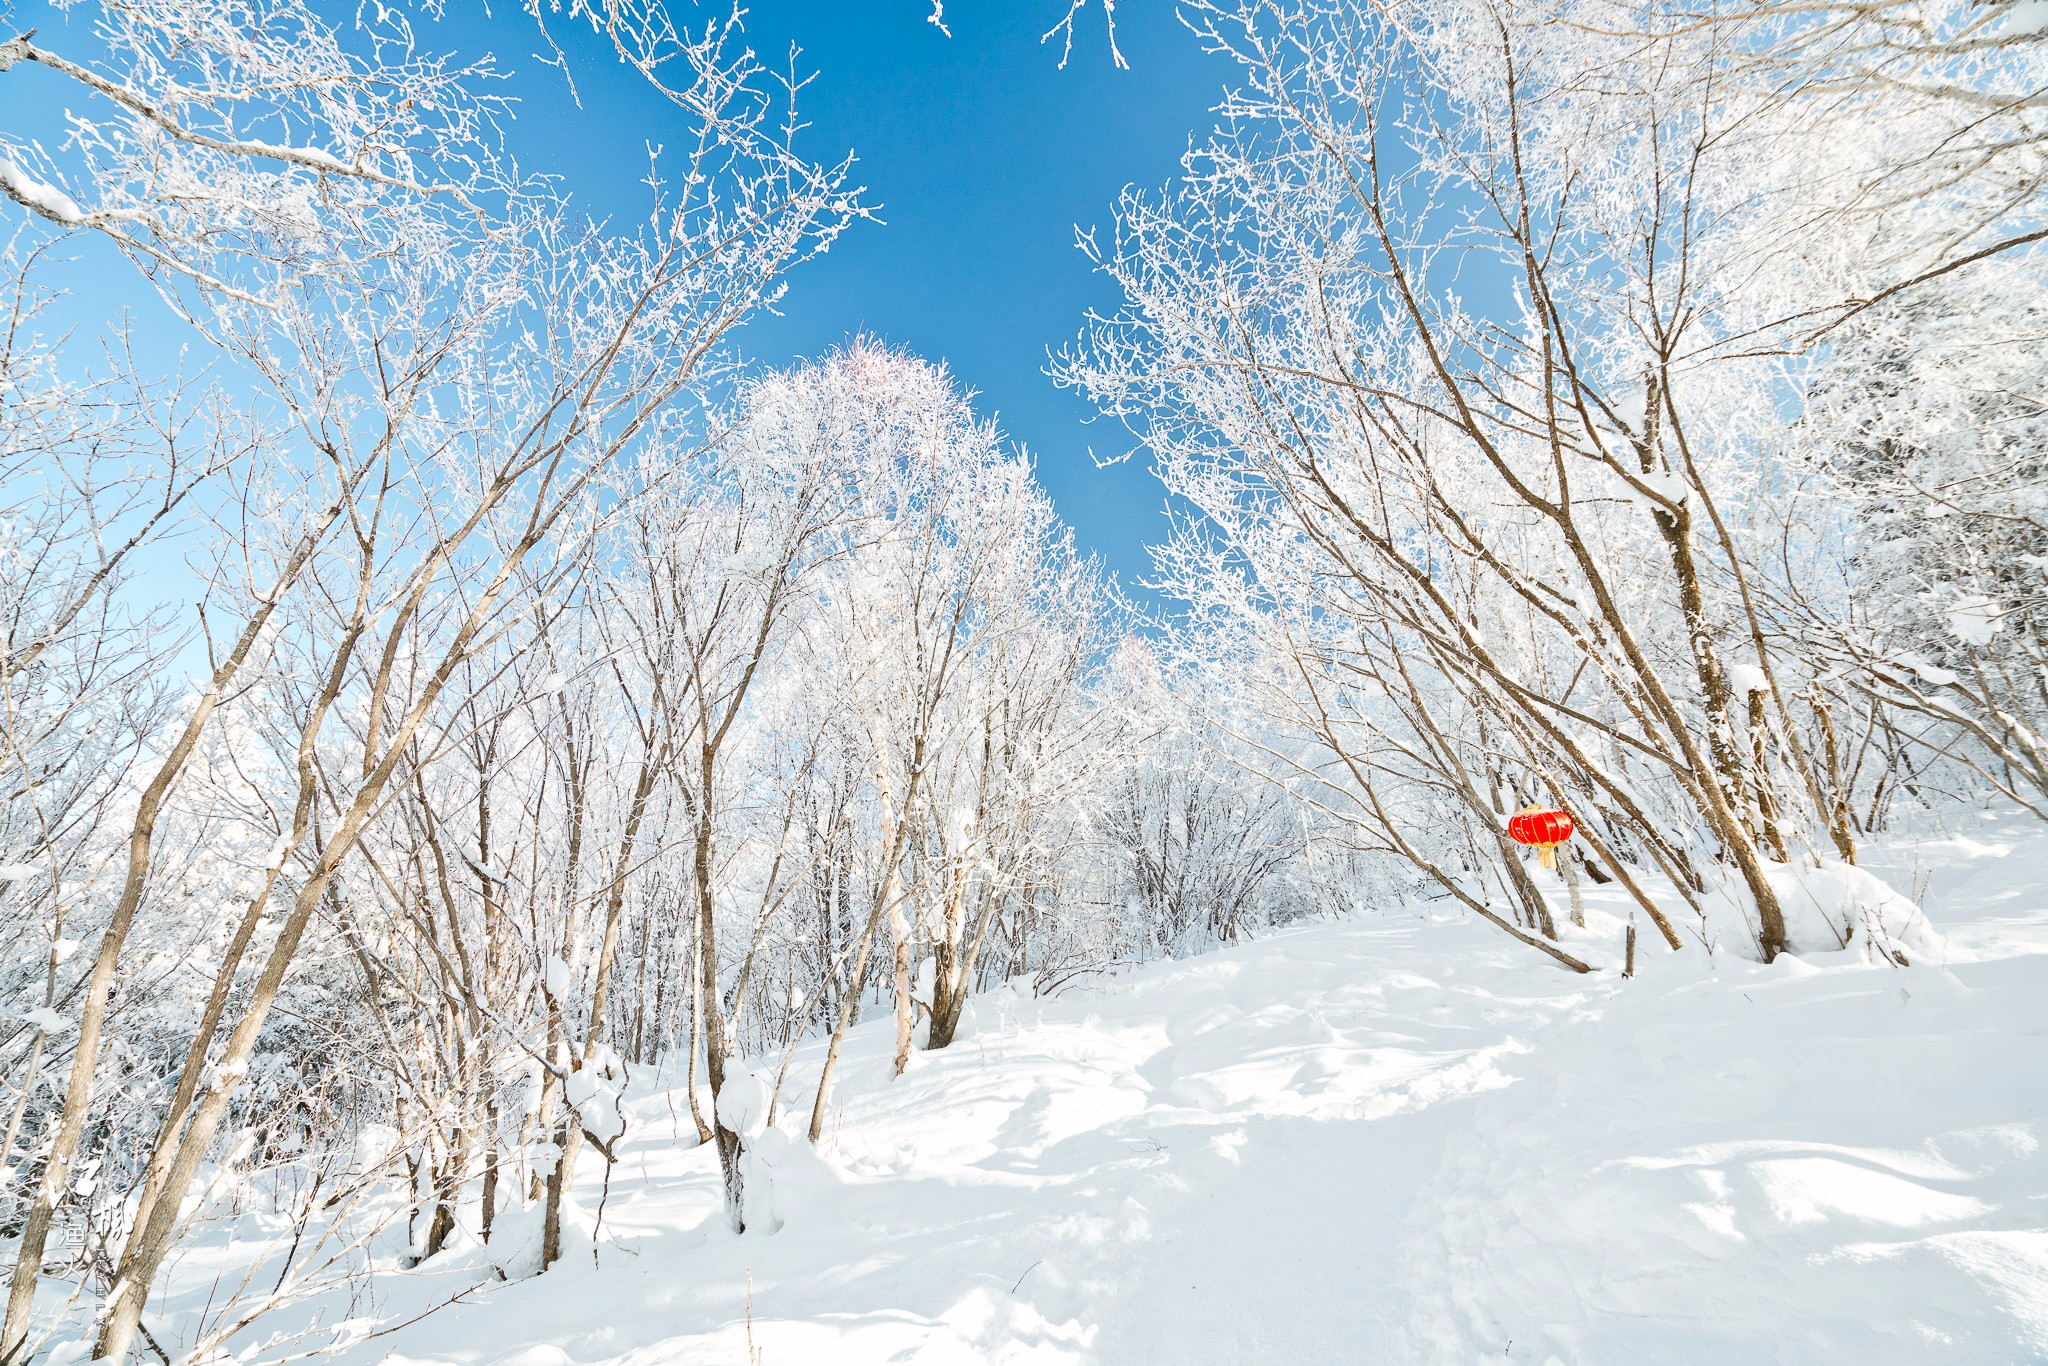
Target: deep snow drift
{"type": "Point", "coordinates": [1390, 1139]}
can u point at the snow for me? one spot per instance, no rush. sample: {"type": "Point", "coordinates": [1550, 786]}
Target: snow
{"type": "Point", "coordinates": [18, 872]}
{"type": "Point", "coordinates": [1931, 674]}
{"type": "Point", "coordinates": [743, 1103]}
{"type": "Point", "coordinates": [2024, 19]}
{"type": "Point", "coordinates": [1830, 909]}
{"type": "Point", "coordinates": [1744, 679]}
{"type": "Point", "coordinates": [39, 195]}
{"type": "Point", "coordinates": [1665, 485]}
{"type": "Point", "coordinates": [543, 1156]}
{"type": "Point", "coordinates": [596, 1102]}
{"type": "Point", "coordinates": [1399, 1137]}
{"type": "Point", "coordinates": [1839, 906]}
{"type": "Point", "coordinates": [747, 563]}
{"type": "Point", "coordinates": [1974, 619]}
{"type": "Point", "coordinates": [318, 156]}
{"type": "Point", "coordinates": [45, 1019]}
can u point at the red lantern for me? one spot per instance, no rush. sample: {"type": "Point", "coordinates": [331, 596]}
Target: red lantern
{"type": "Point", "coordinates": [1543, 829]}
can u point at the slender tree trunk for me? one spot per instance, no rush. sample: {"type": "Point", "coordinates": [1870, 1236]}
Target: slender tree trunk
{"type": "Point", "coordinates": [849, 1007]}
{"type": "Point", "coordinates": [1726, 801]}
{"type": "Point", "coordinates": [148, 1244]}
{"type": "Point", "coordinates": [447, 1189]}
{"type": "Point", "coordinates": [696, 1031]}
{"type": "Point", "coordinates": [714, 1013]}
{"type": "Point", "coordinates": [1568, 864]}
{"type": "Point", "coordinates": [490, 1192]}
{"type": "Point", "coordinates": [561, 1181]}
{"type": "Point", "coordinates": [946, 958]}
{"type": "Point", "coordinates": [1715, 694]}
{"type": "Point", "coordinates": [955, 955]}
{"type": "Point", "coordinates": [28, 1090]}
{"type": "Point", "coordinates": [551, 1193]}
{"type": "Point", "coordinates": [1531, 895]}
{"type": "Point", "coordinates": [158, 1170]}
{"type": "Point", "coordinates": [543, 1118]}
{"type": "Point", "coordinates": [55, 1177]}
{"type": "Point", "coordinates": [1766, 799]}
{"type": "Point", "coordinates": [906, 1014]}
{"type": "Point", "coordinates": [1836, 808]}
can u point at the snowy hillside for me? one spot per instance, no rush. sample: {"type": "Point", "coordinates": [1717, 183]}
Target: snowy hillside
{"type": "Point", "coordinates": [1392, 1139]}
{"type": "Point", "coordinates": [512, 642]}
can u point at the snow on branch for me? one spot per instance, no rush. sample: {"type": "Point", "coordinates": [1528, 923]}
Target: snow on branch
{"type": "Point", "coordinates": [39, 197]}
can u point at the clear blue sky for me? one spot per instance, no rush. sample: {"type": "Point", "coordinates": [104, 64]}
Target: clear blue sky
{"type": "Point", "coordinates": [981, 153]}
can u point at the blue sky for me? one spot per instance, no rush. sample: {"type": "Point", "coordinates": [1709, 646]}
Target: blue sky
{"type": "Point", "coordinates": [981, 152]}
{"type": "Point", "coordinates": [983, 155]}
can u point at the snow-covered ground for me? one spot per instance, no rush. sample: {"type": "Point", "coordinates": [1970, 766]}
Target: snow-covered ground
{"type": "Point", "coordinates": [1386, 1140]}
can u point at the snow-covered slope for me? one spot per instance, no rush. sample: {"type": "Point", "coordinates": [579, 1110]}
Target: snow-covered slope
{"type": "Point", "coordinates": [1386, 1140]}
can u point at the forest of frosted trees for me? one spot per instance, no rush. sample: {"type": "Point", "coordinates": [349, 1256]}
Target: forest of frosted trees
{"type": "Point", "coordinates": [454, 682]}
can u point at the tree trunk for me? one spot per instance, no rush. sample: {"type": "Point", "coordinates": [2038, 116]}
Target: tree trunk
{"type": "Point", "coordinates": [714, 1014]}
{"type": "Point", "coordinates": [1836, 808]}
{"type": "Point", "coordinates": [54, 1178]}
{"type": "Point", "coordinates": [1723, 787]}
{"type": "Point", "coordinates": [1568, 863]}
{"type": "Point", "coordinates": [696, 1032]}
{"type": "Point", "coordinates": [150, 1243]}
{"type": "Point", "coordinates": [906, 1013]}
{"type": "Point", "coordinates": [552, 1188]}
{"type": "Point", "coordinates": [953, 960]}
{"type": "Point", "coordinates": [447, 1191]}
{"type": "Point", "coordinates": [1525, 886]}
{"type": "Point", "coordinates": [1766, 799]}
{"type": "Point", "coordinates": [490, 1193]}
{"type": "Point", "coordinates": [849, 1008]}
